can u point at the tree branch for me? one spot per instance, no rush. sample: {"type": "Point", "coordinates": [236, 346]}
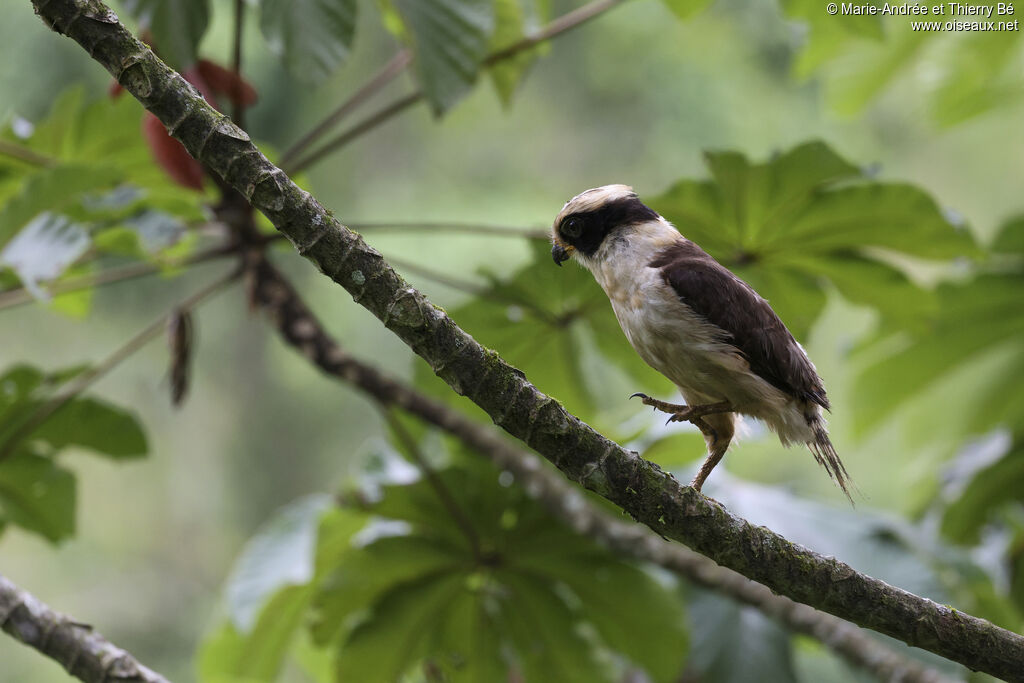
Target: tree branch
{"type": "Point", "coordinates": [83, 652]}
{"type": "Point", "coordinates": [650, 495]}
{"type": "Point", "coordinates": [301, 329]}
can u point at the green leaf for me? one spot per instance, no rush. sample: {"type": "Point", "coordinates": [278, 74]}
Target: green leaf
{"type": "Point", "coordinates": [271, 588]}
{"type": "Point", "coordinates": [719, 624]}
{"type": "Point", "coordinates": [649, 628]}
{"type": "Point", "coordinates": [546, 633]}
{"type": "Point", "coordinates": [281, 554]}
{"type": "Point", "coordinates": [177, 27]}
{"type": "Point", "coordinates": [53, 190]}
{"type": "Point", "coordinates": [976, 318]}
{"type": "Point", "coordinates": [449, 38]}
{"type": "Point", "coordinates": [37, 495]}
{"type": "Point", "coordinates": [82, 421]}
{"type": "Point", "coordinates": [1010, 239]}
{"type": "Point", "coordinates": [529, 593]}
{"type": "Point", "coordinates": [312, 36]}
{"type": "Point", "coordinates": [231, 655]}
{"type": "Point", "coordinates": [401, 630]}
{"type": "Point", "coordinates": [685, 9]}
{"type": "Point", "coordinates": [514, 20]}
{"type": "Point", "coordinates": [989, 489]}
{"type": "Point", "coordinates": [97, 425]}
{"type": "Point", "coordinates": [979, 73]}
{"type": "Point", "coordinates": [807, 219]}
{"type": "Point", "coordinates": [362, 577]}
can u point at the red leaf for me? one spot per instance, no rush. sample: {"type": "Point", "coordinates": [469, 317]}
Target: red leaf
{"type": "Point", "coordinates": [171, 155]}
{"type": "Point", "coordinates": [226, 82]}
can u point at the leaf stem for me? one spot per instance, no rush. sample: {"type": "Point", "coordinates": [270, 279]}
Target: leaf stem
{"type": "Point", "coordinates": [393, 68]}
{"type": "Point", "coordinates": [26, 155]}
{"type": "Point", "coordinates": [365, 126]}
{"type": "Point", "coordinates": [84, 380]}
{"type": "Point", "coordinates": [562, 24]}
{"type": "Point", "coordinates": [443, 494]}
{"type": "Point", "coordinates": [566, 22]}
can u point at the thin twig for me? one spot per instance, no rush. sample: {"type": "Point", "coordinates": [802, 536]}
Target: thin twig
{"type": "Point", "coordinates": [83, 381]}
{"type": "Point", "coordinates": [562, 24]}
{"type": "Point", "coordinates": [83, 652]}
{"type": "Point", "coordinates": [566, 22]}
{"type": "Point", "coordinates": [17, 296]}
{"type": "Point", "coordinates": [458, 284]}
{"type": "Point", "coordinates": [393, 68]}
{"type": "Point", "coordinates": [302, 330]}
{"type": "Point", "coordinates": [454, 227]}
{"type": "Point", "coordinates": [458, 515]}
{"type": "Point", "coordinates": [358, 130]}
{"type": "Point", "coordinates": [26, 155]}
{"type": "Point", "coordinates": [237, 106]}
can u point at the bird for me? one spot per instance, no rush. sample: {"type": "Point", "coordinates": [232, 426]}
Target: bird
{"type": "Point", "coordinates": [698, 324]}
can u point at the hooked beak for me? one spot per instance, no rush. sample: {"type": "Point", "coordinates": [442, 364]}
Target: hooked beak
{"type": "Point", "coordinates": [559, 253]}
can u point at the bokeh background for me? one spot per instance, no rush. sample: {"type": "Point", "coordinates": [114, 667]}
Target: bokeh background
{"type": "Point", "coordinates": [634, 97]}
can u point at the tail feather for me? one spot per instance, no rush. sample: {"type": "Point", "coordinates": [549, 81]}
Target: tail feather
{"type": "Point", "coordinates": [827, 457]}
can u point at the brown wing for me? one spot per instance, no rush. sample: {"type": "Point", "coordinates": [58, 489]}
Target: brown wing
{"type": "Point", "coordinates": [746, 319]}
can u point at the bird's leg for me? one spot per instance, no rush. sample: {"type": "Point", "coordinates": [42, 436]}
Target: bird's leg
{"type": "Point", "coordinates": [715, 456]}
{"type": "Point", "coordinates": [683, 413]}
{"type": "Point", "coordinates": [717, 443]}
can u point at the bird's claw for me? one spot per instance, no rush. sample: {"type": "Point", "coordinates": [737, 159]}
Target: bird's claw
{"type": "Point", "coordinates": [640, 395]}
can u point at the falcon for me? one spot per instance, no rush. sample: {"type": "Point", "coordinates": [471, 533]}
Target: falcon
{"type": "Point", "coordinates": [697, 324]}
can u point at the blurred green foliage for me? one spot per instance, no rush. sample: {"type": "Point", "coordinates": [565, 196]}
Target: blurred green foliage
{"type": "Point", "coordinates": [388, 585]}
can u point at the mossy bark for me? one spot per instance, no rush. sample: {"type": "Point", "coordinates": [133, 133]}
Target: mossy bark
{"type": "Point", "coordinates": [641, 488]}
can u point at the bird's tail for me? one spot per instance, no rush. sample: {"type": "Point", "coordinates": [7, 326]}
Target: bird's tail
{"type": "Point", "coordinates": [825, 453]}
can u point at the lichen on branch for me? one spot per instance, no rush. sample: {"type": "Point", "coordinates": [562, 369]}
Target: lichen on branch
{"type": "Point", "coordinates": [641, 488]}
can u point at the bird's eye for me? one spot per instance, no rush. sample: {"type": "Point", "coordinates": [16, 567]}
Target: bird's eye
{"type": "Point", "coordinates": [572, 228]}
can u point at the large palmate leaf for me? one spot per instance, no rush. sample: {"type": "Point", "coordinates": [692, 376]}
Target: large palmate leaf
{"type": "Point", "coordinates": [518, 595]}
{"type": "Point", "coordinates": [979, 317]}
{"type": "Point", "coordinates": [270, 589]}
{"type": "Point", "coordinates": [177, 26]}
{"type": "Point", "coordinates": [36, 493]}
{"type": "Point", "coordinates": [557, 326]}
{"type": "Point", "coordinates": [808, 218]}
{"type": "Point", "coordinates": [449, 38]}
{"type": "Point", "coordinates": [312, 36]}
{"type": "Point", "coordinates": [720, 626]}
{"type": "Point", "coordinates": [991, 487]}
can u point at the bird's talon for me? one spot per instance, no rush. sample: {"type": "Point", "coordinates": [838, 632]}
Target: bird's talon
{"type": "Point", "coordinates": [639, 395]}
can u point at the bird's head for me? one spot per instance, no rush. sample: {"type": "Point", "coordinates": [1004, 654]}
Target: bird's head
{"type": "Point", "coordinates": [590, 218]}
